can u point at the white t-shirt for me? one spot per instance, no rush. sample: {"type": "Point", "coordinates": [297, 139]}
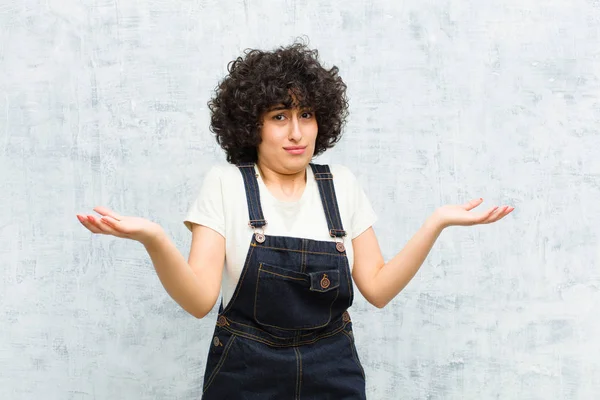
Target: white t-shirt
{"type": "Point", "coordinates": [222, 207]}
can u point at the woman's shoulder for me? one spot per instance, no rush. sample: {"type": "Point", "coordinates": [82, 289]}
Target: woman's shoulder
{"type": "Point", "coordinates": [222, 178]}
{"type": "Point", "coordinates": [342, 174]}
{"type": "Point", "coordinates": [224, 171]}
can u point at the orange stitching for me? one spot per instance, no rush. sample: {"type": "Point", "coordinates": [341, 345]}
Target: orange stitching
{"type": "Point", "coordinates": [261, 340]}
{"type": "Point", "coordinates": [248, 187]}
{"type": "Point", "coordinates": [256, 294]}
{"type": "Point", "coordinates": [298, 329]}
{"type": "Point", "coordinates": [253, 327]}
{"type": "Point", "coordinates": [298, 372]}
{"type": "Point", "coordinates": [268, 333]}
{"type": "Point", "coordinates": [337, 253]}
{"type": "Point", "coordinates": [324, 201]}
{"type": "Point", "coordinates": [337, 293]}
{"type": "Point", "coordinates": [269, 270]}
{"type": "Point", "coordinates": [334, 200]}
{"type": "Point", "coordinates": [220, 363]}
{"type": "Point", "coordinates": [257, 194]}
{"type": "Point", "coordinates": [303, 260]}
{"type": "Point", "coordinates": [300, 384]}
{"type": "Point", "coordinates": [348, 274]}
{"type": "Point", "coordinates": [283, 276]}
{"type": "Point", "coordinates": [354, 353]}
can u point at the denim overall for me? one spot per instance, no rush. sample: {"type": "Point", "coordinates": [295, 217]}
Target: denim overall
{"type": "Point", "coordinates": [286, 334]}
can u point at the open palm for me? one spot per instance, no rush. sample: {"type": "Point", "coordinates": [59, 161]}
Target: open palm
{"type": "Point", "coordinates": [111, 223]}
{"type": "Point", "coordinates": [462, 215]}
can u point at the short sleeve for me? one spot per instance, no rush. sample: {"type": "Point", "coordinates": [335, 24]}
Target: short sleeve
{"type": "Point", "coordinates": [363, 215]}
{"type": "Point", "coordinates": [208, 209]}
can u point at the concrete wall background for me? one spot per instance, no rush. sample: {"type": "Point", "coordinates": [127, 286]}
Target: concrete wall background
{"type": "Point", "coordinates": [104, 102]}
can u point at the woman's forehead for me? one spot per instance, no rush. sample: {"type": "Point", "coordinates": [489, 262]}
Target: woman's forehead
{"type": "Point", "coordinates": [281, 106]}
{"type": "Point", "coordinates": [293, 100]}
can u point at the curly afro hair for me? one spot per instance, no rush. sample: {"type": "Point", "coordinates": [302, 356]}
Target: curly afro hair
{"type": "Point", "coordinates": [262, 79]}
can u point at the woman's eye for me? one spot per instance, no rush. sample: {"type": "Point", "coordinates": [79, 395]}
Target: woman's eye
{"type": "Point", "coordinates": [279, 117]}
{"type": "Point", "coordinates": [307, 115]}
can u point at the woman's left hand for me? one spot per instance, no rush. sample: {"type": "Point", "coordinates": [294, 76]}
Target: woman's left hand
{"type": "Point", "coordinates": [462, 215]}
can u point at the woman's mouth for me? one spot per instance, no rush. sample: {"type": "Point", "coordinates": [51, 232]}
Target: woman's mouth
{"type": "Point", "coordinates": [295, 149]}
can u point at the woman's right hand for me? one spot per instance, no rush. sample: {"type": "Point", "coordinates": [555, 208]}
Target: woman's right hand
{"type": "Point", "coordinates": [111, 223]}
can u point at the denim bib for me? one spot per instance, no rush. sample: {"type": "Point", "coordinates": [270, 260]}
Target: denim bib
{"type": "Point", "coordinates": [286, 332]}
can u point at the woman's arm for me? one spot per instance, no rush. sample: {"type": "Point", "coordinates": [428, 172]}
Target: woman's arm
{"type": "Point", "coordinates": [194, 284]}
{"type": "Point", "coordinates": [380, 282]}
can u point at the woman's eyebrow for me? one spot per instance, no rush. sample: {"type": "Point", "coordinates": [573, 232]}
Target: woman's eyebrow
{"type": "Point", "coordinates": [278, 107]}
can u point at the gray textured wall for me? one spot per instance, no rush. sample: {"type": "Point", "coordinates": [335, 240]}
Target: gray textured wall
{"type": "Point", "coordinates": [105, 103]}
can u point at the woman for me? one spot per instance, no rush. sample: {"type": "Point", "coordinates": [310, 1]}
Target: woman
{"type": "Point", "coordinates": [282, 237]}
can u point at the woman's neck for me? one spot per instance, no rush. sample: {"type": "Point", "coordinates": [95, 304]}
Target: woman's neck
{"type": "Point", "coordinates": [283, 186]}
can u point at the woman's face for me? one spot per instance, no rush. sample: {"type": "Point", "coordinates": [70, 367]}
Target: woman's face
{"type": "Point", "coordinates": [288, 139]}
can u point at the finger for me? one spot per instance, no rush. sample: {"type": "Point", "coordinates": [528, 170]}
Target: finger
{"type": "Point", "coordinates": [507, 210]}
{"type": "Point", "coordinates": [84, 221]}
{"type": "Point", "coordinates": [495, 215]}
{"type": "Point", "coordinates": [501, 212]}
{"type": "Point", "coordinates": [108, 212]}
{"type": "Point", "coordinates": [107, 226]}
{"type": "Point", "coordinates": [114, 224]}
{"type": "Point", "coordinates": [472, 204]}
{"type": "Point", "coordinates": [99, 225]}
{"type": "Point", "coordinates": [490, 213]}
{"type": "Point", "coordinates": [484, 217]}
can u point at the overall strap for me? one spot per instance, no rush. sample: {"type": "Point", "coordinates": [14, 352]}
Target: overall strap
{"type": "Point", "coordinates": [257, 219]}
{"type": "Point", "coordinates": [324, 179]}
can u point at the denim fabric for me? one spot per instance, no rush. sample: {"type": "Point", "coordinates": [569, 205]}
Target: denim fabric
{"type": "Point", "coordinates": [286, 333]}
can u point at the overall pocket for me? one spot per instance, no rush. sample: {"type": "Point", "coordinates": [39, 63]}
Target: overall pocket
{"type": "Point", "coordinates": [293, 300]}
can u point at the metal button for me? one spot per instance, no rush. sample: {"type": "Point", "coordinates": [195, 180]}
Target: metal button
{"type": "Point", "coordinates": [346, 316]}
{"type": "Point", "coordinates": [340, 247]}
{"type": "Point", "coordinates": [221, 321]}
{"type": "Point", "coordinates": [325, 282]}
{"type": "Point", "coordinates": [217, 342]}
{"type": "Point", "coordinates": [260, 238]}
